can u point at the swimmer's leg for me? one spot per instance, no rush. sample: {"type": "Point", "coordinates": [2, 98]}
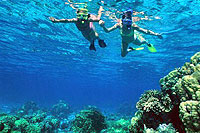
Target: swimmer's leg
{"type": "Point", "coordinates": [92, 47]}
{"type": "Point", "coordinates": [132, 49]}
{"type": "Point", "coordinates": [90, 38]}
{"type": "Point", "coordinates": [140, 41]}
{"type": "Point", "coordinates": [124, 50]}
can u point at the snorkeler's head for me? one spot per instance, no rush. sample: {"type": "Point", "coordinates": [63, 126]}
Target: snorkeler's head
{"type": "Point", "coordinates": [82, 14]}
{"type": "Point", "coordinates": [128, 13]}
{"type": "Point", "coordinates": [127, 18]}
{"type": "Point", "coordinates": [82, 10]}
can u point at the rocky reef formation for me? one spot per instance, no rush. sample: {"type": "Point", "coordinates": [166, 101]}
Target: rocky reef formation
{"type": "Point", "coordinates": [177, 103]}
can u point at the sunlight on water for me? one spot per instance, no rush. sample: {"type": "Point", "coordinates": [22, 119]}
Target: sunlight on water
{"type": "Point", "coordinates": [28, 35]}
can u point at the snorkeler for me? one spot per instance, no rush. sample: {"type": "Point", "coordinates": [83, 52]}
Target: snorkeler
{"type": "Point", "coordinates": [84, 23]}
{"type": "Point", "coordinates": [129, 34]}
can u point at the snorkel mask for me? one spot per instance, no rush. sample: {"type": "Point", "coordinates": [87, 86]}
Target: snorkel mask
{"type": "Point", "coordinates": [82, 14]}
{"type": "Point", "coordinates": [127, 18]}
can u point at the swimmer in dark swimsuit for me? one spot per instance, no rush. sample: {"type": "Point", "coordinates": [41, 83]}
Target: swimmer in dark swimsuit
{"type": "Point", "coordinates": [84, 23]}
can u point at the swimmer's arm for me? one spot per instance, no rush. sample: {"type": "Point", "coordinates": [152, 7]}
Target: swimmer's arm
{"type": "Point", "coordinates": [54, 20]}
{"type": "Point", "coordinates": [135, 19]}
{"type": "Point", "coordinates": [102, 24]}
{"type": "Point", "coordinates": [145, 31]}
{"type": "Point", "coordinates": [94, 18]}
{"type": "Point", "coordinates": [100, 12]}
{"type": "Point", "coordinates": [136, 13]}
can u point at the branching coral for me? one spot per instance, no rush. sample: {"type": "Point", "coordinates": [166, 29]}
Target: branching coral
{"type": "Point", "coordinates": [154, 101]}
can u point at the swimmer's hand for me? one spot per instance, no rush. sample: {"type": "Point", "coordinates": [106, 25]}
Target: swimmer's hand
{"type": "Point", "coordinates": [53, 19]}
{"type": "Point", "coordinates": [101, 23]}
{"type": "Point", "coordinates": [159, 36]}
{"type": "Point", "coordinates": [101, 9]}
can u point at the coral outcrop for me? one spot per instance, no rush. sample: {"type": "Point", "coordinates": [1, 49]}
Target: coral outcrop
{"type": "Point", "coordinates": [61, 110]}
{"type": "Point", "coordinates": [154, 101]}
{"type": "Point", "coordinates": [89, 121]}
{"type": "Point", "coordinates": [27, 108]}
{"type": "Point", "coordinates": [7, 122]}
{"type": "Point", "coordinates": [178, 102]}
{"type": "Point", "coordinates": [190, 115]}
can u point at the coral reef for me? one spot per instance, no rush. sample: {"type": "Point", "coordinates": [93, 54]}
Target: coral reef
{"type": "Point", "coordinates": [162, 128]}
{"type": "Point", "coordinates": [183, 83]}
{"type": "Point", "coordinates": [89, 121]}
{"type": "Point", "coordinates": [174, 108]}
{"type": "Point", "coordinates": [154, 105]}
{"type": "Point", "coordinates": [61, 110]}
{"type": "Point", "coordinates": [137, 123]}
{"type": "Point", "coordinates": [27, 108]}
{"type": "Point", "coordinates": [190, 115]}
{"type": "Point", "coordinates": [31, 124]}
{"type": "Point", "coordinates": [118, 126]}
{"type": "Point", "coordinates": [154, 101]}
{"type": "Point", "coordinates": [21, 124]}
{"type": "Point", "coordinates": [26, 122]}
{"type": "Point", "coordinates": [186, 87]}
{"type": "Point", "coordinates": [178, 102]}
{"type": "Point", "coordinates": [7, 122]}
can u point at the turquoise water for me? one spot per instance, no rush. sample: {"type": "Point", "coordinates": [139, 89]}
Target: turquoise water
{"type": "Point", "coordinates": [46, 62]}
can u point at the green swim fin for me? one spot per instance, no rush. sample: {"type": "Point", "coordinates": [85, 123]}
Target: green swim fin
{"type": "Point", "coordinates": [151, 48]}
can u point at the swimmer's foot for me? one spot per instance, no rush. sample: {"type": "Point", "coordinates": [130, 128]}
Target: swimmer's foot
{"type": "Point", "coordinates": [151, 48]}
{"type": "Point", "coordinates": [92, 47]}
{"type": "Point", "coordinates": [131, 49]}
{"type": "Point", "coordinates": [102, 44]}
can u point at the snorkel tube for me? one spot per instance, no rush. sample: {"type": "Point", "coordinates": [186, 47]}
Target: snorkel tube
{"type": "Point", "coordinates": [127, 18]}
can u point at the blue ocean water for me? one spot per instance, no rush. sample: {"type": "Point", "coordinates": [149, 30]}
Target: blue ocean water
{"type": "Point", "coordinates": [45, 62]}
